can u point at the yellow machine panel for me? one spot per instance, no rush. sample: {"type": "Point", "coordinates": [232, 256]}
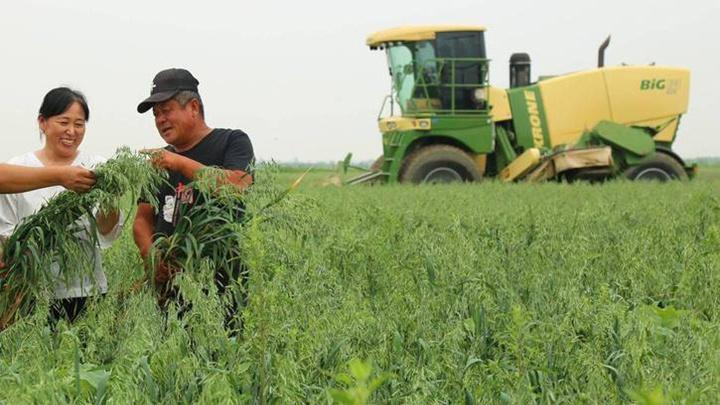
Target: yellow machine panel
{"type": "Point", "coordinates": [520, 166]}
{"type": "Point", "coordinates": [498, 99]}
{"type": "Point", "coordinates": [642, 93]}
{"type": "Point", "coordinates": [404, 124]}
{"type": "Point", "coordinates": [668, 133]}
{"type": "Point", "coordinates": [631, 95]}
{"type": "Point", "coordinates": [574, 103]}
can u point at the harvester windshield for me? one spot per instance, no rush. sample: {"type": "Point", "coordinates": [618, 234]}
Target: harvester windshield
{"type": "Point", "coordinates": [448, 74]}
{"type": "Point", "coordinates": [407, 69]}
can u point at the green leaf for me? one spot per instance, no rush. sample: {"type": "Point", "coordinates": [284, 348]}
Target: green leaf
{"type": "Point", "coordinates": [669, 316]}
{"type": "Point", "coordinates": [95, 377]}
{"type": "Point", "coordinates": [342, 397]}
{"type": "Point", "coordinates": [344, 378]}
{"type": "Point", "coordinates": [469, 325]}
{"type": "Point", "coordinates": [644, 396]}
{"type": "Point", "coordinates": [472, 361]}
{"type": "Point", "coordinates": [360, 370]}
{"type": "Point", "coordinates": [378, 381]}
{"type": "Point", "coordinates": [469, 398]}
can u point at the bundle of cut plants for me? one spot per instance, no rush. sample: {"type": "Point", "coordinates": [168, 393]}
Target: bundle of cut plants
{"type": "Point", "coordinates": [207, 231]}
{"type": "Point", "coordinates": [51, 234]}
{"type": "Point", "coordinates": [208, 234]}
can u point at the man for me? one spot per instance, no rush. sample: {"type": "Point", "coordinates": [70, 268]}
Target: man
{"type": "Point", "coordinates": [192, 145]}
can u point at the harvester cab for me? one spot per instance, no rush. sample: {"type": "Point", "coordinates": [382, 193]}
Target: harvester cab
{"type": "Point", "coordinates": [452, 125]}
{"type": "Point", "coordinates": [438, 76]}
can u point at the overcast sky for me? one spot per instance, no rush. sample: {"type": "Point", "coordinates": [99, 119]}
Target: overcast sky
{"type": "Point", "coordinates": [297, 76]}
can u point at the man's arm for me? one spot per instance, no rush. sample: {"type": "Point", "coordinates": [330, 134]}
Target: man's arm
{"type": "Point", "coordinates": [189, 168]}
{"type": "Point", "coordinates": [143, 228]}
{"type": "Point", "coordinates": [19, 179]}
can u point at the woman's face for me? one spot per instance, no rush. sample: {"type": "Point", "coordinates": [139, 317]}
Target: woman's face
{"type": "Point", "coordinates": [64, 133]}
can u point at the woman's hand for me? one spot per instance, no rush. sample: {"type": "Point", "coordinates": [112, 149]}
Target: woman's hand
{"type": "Point", "coordinates": [106, 222]}
{"type": "Point", "coordinates": [76, 178]}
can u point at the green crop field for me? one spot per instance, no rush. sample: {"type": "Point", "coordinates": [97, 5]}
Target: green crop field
{"type": "Point", "coordinates": [481, 293]}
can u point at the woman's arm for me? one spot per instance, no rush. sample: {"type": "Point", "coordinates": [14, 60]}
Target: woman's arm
{"type": "Point", "coordinates": [19, 179]}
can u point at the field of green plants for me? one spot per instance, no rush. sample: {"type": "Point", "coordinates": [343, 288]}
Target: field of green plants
{"type": "Point", "coordinates": [483, 293]}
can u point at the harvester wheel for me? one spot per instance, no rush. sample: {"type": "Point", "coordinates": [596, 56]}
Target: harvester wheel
{"type": "Point", "coordinates": [439, 164]}
{"type": "Point", "coordinates": [659, 167]}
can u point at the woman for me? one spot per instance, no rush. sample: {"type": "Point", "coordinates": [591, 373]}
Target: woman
{"type": "Point", "coordinates": [63, 115]}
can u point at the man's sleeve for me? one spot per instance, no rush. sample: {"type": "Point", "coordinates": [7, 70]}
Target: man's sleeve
{"type": "Point", "coordinates": [239, 153]}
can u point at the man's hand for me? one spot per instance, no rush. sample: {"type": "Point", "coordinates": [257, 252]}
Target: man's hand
{"type": "Point", "coordinates": [76, 178]}
{"type": "Point", "coordinates": [174, 162]}
{"type": "Point", "coordinates": [239, 178]}
{"type": "Point", "coordinates": [161, 274]}
{"type": "Point", "coordinates": [165, 159]}
{"type": "Point", "coordinates": [164, 272]}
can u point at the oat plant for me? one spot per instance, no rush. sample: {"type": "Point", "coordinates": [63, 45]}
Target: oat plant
{"type": "Point", "coordinates": [64, 230]}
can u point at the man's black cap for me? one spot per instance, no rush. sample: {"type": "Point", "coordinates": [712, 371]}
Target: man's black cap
{"type": "Point", "coordinates": [166, 85]}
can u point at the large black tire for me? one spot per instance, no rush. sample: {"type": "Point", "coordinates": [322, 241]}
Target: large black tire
{"type": "Point", "coordinates": [659, 167]}
{"type": "Point", "coordinates": [439, 164]}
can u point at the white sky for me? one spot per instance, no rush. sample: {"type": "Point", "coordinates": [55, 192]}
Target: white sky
{"type": "Point", "coordinates": [297, 76]}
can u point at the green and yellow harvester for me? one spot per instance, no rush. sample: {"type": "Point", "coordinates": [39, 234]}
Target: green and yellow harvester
{"type": "Point", "coordinates": [454, 126]}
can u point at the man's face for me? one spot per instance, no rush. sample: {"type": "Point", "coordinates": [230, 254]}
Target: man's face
{"type": "Point", "coordinates": [173, 121]}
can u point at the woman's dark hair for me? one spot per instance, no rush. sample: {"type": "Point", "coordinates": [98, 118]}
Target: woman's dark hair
{"type": "Point", "coordinates": [58, 100]}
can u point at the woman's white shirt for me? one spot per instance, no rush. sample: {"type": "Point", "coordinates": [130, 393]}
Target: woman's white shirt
{"type": "Point", "coordinates": [15, 207]}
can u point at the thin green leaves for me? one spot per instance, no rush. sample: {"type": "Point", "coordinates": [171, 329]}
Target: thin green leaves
{"type": "Point", "coordinates": [64, 231]}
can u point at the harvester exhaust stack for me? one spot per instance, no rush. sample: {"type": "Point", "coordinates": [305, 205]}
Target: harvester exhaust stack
{"type": "Point", "coordinates": [519, 70]}
{"type": "Point", "coordinates": [601, 52]}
